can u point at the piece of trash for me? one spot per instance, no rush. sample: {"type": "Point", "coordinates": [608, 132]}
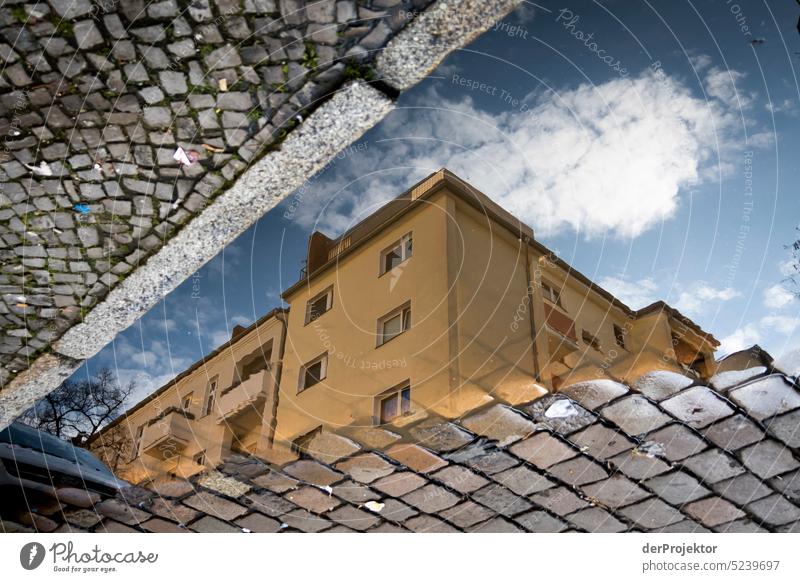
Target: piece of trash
{"type": "Point", "coordinates": [284, 525]}
{"type": "Point", "coordinates": [214, 149]}
{"type": "Point", "coordinates": [299, 118]}
{"type": "Point", "coordinates": [82, 208]}
{"type": "Point", "coordinates": [561, 409]}
{"type": "Point", "coordinates": [245, 530]}
{"type": "Point", "coordinates": [22, 305]}
{"type": "Point", "coordinates": [223, 84]}
{"type": "Point", "coordinates": [650, 449]}
{"type": "Point", "coordinates": [328, 489]}
{"type": "Point", "coordinates": [43, 169]}
{"type": "Point", "coordinates": [374, 506]}
{"type": "Point", "coordinates": [185, 158]}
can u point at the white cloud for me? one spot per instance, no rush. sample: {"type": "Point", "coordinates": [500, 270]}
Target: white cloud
{"type": "Point", "coordinates": [635, 294]}
{"type": "Point", "coordinates": [740, 339]}
{"type": "Point", "coordinates": [777, 297]}
{"type": "Point", "coordinates": [612, 158]}
{"type": "Point", "coordinates": [784, 324]}
{"type": "Point", "coordinates": [696, 299]}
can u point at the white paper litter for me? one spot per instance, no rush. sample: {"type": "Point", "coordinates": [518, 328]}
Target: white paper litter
{"type": "Point", "coordinates": [374, 506]}
{"type": "Point", "coordinates": [561, 409]}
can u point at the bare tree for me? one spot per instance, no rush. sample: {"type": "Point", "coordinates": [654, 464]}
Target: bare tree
{"type": "Point", "coordinates": [78, 409]}
{"type": "Point", "coordinates": [794, 273]}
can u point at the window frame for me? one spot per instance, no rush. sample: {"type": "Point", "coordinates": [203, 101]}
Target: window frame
{"type": "Point", "coordinates": [211, 396]}
{"type": "Point", "coordinates": [186, 407]}
{"type": "Point", "coordinates": [321, 359]}
{"type": "Point", "coordinates": [202, 458]}
{"type": "Point", "coordinates": [619, 335]}
{"type": "Point", "coordinates": [396, 392]}
{"type": "Point", "coordinates": [591, 340]}
{"type": "Point", "coordinates": [137, 441]}
{"type": "Point", "coordinates": [328, 293]}
{"type": "Point", "coordinates": [404, 255]}
{"type": "Point", "coordinates": [551, 293]}
{"type": "Point", "coordinates": [404, 311]}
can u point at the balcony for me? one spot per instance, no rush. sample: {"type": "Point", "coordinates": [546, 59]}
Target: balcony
{"type": "Point", "coordinates": [244, 396]}
{"type": "Point", "coordinates": [561, 336]}
{"type": "Point", "coordinates": [167, 436]}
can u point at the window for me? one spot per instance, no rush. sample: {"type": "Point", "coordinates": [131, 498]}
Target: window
{"type": "Point", "coordinates": [313, 372]}
{"type": "Point", "coordinates": [590, 339]}
{"type": "Point", "coordinates": [397, 403]}
{"type": "Point", "coordinates": [551, 294]}
{"type": "Point", "coordinates": [396, 253]}
{"type": "Point", "coordinates": [137, 441]}
{"type": "Point", "coordinates": [186, 403]}
{"type": "Point", "coordinates": [619, 335]}
{"type": "Point", "coordinates": [393, 324]}
{"type": "Point", "coordinates": [211, 397]}
{"type": "Point", "coordinates": [200, 458]}
{"type": "Point", "coordinates": [319, 305]}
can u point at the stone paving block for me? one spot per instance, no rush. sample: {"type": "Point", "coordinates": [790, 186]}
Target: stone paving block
{"type": "Point", "coordinates": [698, 407]}
{"type": "Point", "coordinates": [786, 428]}
{"type": "Point", "coordinates": [734, 433]}
{"type": "Point", "coordinates": [354, 492]}
{"type": "Point", "coordinates": [766, 397]}
{"type": "Point", "coordinates": [499, 423]}
{"type": "Point", "coordinates": [660, 384]}
{"type": "Point", "coordinates": [559, 500]}
{"type": "Point", "coordinates": [594, 519]}
{"type": "Point", "coordinates": [638, 465]}
{"type": "Point", "coordinates": [416, 458]}
{"type": "Point", "coordinates": [269, 503]}
{"type": "Point", "coordinates": [678, 442]}
{"type": "Point", "coordinates": [366, 468]}
{"type": "Point", "coordinates": [495, 525]}
{"type": "Point", "coordinates": [467, 514]}
{"type": "Point", "coordinates": [725, 380]}
{"type": "Point", "coordinates": [431, 498]}
{"type": "Point", "coordinates": [635, 415]}
{"type": "Point", "coordinates": [259, 523]}
{"type": "Point", "coordinates": [210, 524]}
{"type": "Point", "coordinates": [593, 394]}
{"type": "Point", "coordinates": [313, 472]}
{"type": "Point", "coordinates": [401, 482]}
{"type": "Point", "coordinates": [559, 414]}
{"type": "Point", "coordinates": [460, 479]}
{"type": "Point", "coordinates": [742, 489]}
{"type": "Point", "coordinates": [543, 450]}
{"type": "Point", "coordinates": [541, 522]}
{"type": "Point", "coordinates": [740, 526]}
{"type": "Point", "coordinates": [440, 436]}
{"type": "Point", "coordinates": [429, 524]}
{"type": "Point", "coordinates": [523, 481]}
{"type": "Point", "coordinates": [601, 442]}
{"type": "Point", "coordinates": [713, 465]}
{"type": "Point", "coordinates": [677, 487]}
{"type": "Point", "coordinates": [578, 471]}
{"type": "Point", "coordinates": [616, 491]}
{"type": "Point", "coordinates": [774, 510]}
{"type": "Point", "coordinates": [501, 500]}
{"type": "Point", "coordinates": [394, 510]}
{"type": "Point", "coordinates": [353, 518]}
{"type": "Point", "coordinates": [685, 526]}
{"type": "Point", "coordinates": [768, 458]}
{"type": "Point", "coordinates": [276, 482]}
{"type": "Point", "coordinates": [302, 520]}
{"type": "Point", "coordinates": [713, 511]}
{"type": "Point", "coordinates": [788, 484]}
{"type": "Point", "coordinates": [492, 462]}
{"type": "Point", "coordinates": [652, 514]}
{"type": "Point", "coordinates": [328, 447]}
{"type": "Point", "coordinates": [313, 499]}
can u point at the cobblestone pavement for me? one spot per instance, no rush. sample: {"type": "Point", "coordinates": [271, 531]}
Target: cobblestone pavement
{"type": "Point", "coordinates": [662, 455]}
{"type": "Point", "coordinates": [96, 98]}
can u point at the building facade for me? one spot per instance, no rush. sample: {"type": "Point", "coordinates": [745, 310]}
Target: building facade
{"type": "Point", "coordinates": [439, 302]}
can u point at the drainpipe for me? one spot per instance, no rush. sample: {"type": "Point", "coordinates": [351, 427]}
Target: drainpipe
{"type": "Point", "coordinates": [537, 373]}
{"type": "Point", "coordinates": [273, 423]}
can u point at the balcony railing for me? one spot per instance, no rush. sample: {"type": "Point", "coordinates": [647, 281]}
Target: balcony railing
{"type": "Point", "coordinates": [167, 436]}
{"type": "Point", "coordinates": [559, 322]}
{"type": "Point", "coordinates": [244, 395]}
